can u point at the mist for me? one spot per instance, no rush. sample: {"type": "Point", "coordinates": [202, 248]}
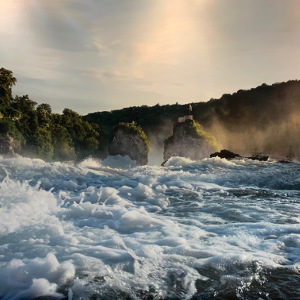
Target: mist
{"type": "Point", "coordinates": [157, 138]}
{"type": "Point", "coordinates": [269, 123]}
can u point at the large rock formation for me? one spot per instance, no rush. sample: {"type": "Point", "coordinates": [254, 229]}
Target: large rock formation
{"type": "Point", "coordinates": [189, 140]}
{"type": "Point", "coordinates": [129, 139]}
{"type": "Point", "coordinates": [8, 146]}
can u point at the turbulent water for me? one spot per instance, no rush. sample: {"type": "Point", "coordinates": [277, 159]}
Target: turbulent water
{"type": "Point", "coordinates": [211, 229]}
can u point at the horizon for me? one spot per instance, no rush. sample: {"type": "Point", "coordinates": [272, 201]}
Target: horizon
{"type": "Point", "coordinates": [109, 55]}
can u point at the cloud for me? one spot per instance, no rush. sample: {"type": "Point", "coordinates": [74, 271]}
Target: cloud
{"type": "Point", "coordinates": [56, 24]}
{"type": "Point", "coordinates": [181, 49]}
{"type": "Point", "coordinates": [112, 76]}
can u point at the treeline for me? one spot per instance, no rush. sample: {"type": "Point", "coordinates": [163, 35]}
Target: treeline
{"type": "Point", "coordinates": [263, 119]}
{"type": "Point", "coordinates": [38, 132]}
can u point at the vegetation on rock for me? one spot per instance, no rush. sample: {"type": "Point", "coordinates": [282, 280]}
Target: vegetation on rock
{"type": "Point", "coordinates": [266, 118]}
{"type": "Point", "coordinates": [197, 131]}
{"type": "Point", "coordinates": [189, 140]}
{"type": "Point", "coordinates": [133, 128]}
{"type": "Point", "coordinates": [129, 139]}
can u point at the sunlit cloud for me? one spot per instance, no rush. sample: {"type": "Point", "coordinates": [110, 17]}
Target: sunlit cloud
{"type": "Point", "coordinates": [167, 36]}
{"type": "Point", "coordinates": [182, 49]}
{"type": "Point", "coordinates": [12, 14]}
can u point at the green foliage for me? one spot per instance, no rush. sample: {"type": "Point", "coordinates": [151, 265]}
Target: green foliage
{"type": "Point", "coordinates": [44, 144]}
{"type": "Point", "coordinates": [24, 104]}
{"type": "Point", "coordinates": [69, 113]}
{"type": "Point", "coordinates": [62, 143]}
{"type": "Point", "coordinates": [235, 119]}
{"type": "Point", "coordinates": [44, 108]}
{"type": "Point", "coordinates": [7, 80]}
{"type": "Point", "coordinates": [27, 122]}
{"type": "Point", "coordinates": [134, 129]}
{"type": "Point", "coordinates": [44, 115]}
{"type": "Point", "coordinates": [7, 126]}
{"type": "Point", "coordinates": [198, 132]}
{"type": "Point", "coordinates": [195, 130]}
{"type": "Point", "coordinates": [242, 114]}
{"type": "Point", "coordinates": [12, 113]}
{"type": "Point", "coordinates": [149, 118]}
{"type": "Point", "coordinates": [86, 137]}
{"type": "Point", "coordinates": [42, 133]}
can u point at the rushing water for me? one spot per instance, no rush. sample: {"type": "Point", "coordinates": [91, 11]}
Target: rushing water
{"type": "Point", "coordinates": [212, 229]}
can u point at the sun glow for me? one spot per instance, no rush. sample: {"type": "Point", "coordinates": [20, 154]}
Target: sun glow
{"type": "Point", "coordinates": [171, 33]}
{"type": "Point", "coordinates": [10, 12]}
{"type": "Point", "coordinates": [171, 36]}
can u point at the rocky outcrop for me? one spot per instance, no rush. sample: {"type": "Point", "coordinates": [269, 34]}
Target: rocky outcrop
{"type": "Point", "coordinates": [260, 157]}
{"type": "Point", "coordinates": [225, 154]}
{"type": "Point", "coordinates": [8, 146]}
{"type": "Point", "coordinates": [129, 139]}
{"type": "Point", "coordinates": [189, 140]}
{"type": "Point", "coordinates": [230, 155]}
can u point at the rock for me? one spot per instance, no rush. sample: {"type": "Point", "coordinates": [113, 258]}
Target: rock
{"type": "Point", "coordinates": [260, 157]}
{"type": "Point", "coordinates": [8, 146]}
{"type": "Point", "coordinates": [225, 154]}
{"type": "Point", "coordinates": [129, 139]}
{"type": "Point", "coordinates": [189, 140]}
{"type": "Point", "coordinates": [163, 163]}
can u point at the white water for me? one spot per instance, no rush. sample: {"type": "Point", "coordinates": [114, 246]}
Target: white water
{"type": "Point", "coordinates": [209, 229]}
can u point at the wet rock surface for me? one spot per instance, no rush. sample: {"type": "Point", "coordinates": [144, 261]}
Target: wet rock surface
{"type": "Point", "coordinates": [126, 142]}
{"type": "Point", "coordinates": [188, 140]}
{"type": "Point", "coordinates": [225, 154]}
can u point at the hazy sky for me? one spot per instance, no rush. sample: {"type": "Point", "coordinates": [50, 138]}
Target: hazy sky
{"type": "Point", "coordinates": [95, 55]}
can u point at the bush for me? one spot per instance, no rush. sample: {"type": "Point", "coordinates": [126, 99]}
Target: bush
{"type": "Point", "coordinates": [133, 128]}
{"type": "Point", "coordinates": [198, 132]}
{"type": "Point", "coordinates": [7, 126]}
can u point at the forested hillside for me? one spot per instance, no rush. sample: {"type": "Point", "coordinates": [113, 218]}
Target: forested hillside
{"type": "Point", "coordinates": [37, 132]}
{"type": "Point", "coordinates": [263, 119]}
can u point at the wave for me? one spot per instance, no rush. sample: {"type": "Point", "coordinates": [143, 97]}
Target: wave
{"type": "Point", "coordinates": [192, 229]}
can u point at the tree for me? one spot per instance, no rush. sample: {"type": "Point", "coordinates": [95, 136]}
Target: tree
{"type": "Point", "coordinates": [44, 115]}
{"type": "Point", "coordinates": [62, 143]}
{"type": "Point", "coordinates": [7, 80]}
{"type": "Point", "coordinates": [86, 138]}
{"type": "Point", "coordinates": [23, 104]}
{"type": "Point", "coordinates": [44, 147]}
{"type": "Point", "coordinates": [27, 123]}
{"type": "Point", "coordinates": [70, 113]}
{"type": "Point", "coordinates": [7, 126]}
{"type": "Point", "coordinates": [45, 108]}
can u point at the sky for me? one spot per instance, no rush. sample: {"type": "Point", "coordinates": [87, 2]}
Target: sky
{"type": "Point", "coordinates": [101, 55]}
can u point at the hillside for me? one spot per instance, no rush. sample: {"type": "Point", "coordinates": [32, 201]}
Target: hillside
{"type": "Point", "coordinates": [33, 130]}
{"type": "Point", "coordinates": [263, 119]}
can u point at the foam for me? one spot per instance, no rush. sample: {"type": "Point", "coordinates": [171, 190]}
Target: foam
{"type": "Point", "coordinates": [90, 163]}
{"type": "Point", "coordinates": [34, 277]}
{"type": "Point", "coordinates": [223, 162]}
{"type": "Point", "coordinates": [177, 161]}
{"type": "Point", "coordinates": [161, 232]}
{"type": "Point", "coordinates": [119, 162]}
{"type": "Point", "coordinates": [137, 220]}
{"type": "Point", "coordinates": [23, 205]}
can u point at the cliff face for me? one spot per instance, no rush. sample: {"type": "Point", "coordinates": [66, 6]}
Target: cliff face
{"type": "Point", "coordinates": [189, 140]}
{"type": "Point", "coordinates": [128, 140]}
{"type": "Point", "coordinates": [8, 146]}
